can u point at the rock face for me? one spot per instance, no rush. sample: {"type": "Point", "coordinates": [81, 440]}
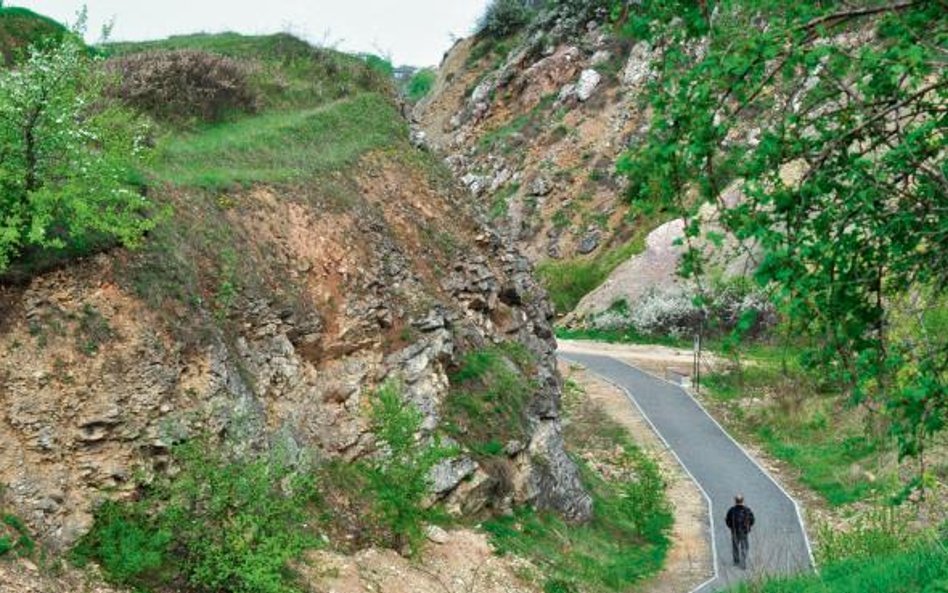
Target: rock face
{"type": "Point", "coordinates": [588, 81]}
{"type": "Point", "coordinates": [553, 114]}
{"type": "Point", "coordinates": [96, 383]}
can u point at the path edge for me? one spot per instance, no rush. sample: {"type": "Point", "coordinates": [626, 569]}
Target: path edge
{"type": "Point", "coordinates": [796, 504]}
{"type": "Point", "coordinates": [707, 499]}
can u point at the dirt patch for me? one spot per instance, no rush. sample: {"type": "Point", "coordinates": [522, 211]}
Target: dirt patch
{"type": "Point", "coordinates": [689, 561]}
{"type": "Point", "coordinates": [463, 563]}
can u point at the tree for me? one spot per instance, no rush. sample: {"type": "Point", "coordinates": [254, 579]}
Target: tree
{"type": "Point", "coordinates": [845, 185]}
{"type": "Point", "coordinates": [68, 158]}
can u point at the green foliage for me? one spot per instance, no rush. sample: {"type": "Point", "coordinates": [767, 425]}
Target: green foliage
{"type": "Point", "coordinates": [856, 228]}
{"type": "Point", "coordinates": [486, 407]}
{"type": "Point", "coordinates": [281, 146]}
{"type": "Point", "coordinates": [219, 524]}
{"type": "Point", "coordinates": [383, 500]}
{"type": "Point", "coordinates": [20, 28]}
{"type": "Point", "coordinates": [398, 478]}
{"type": "Point", "coordinates": [505, 17]}
{"type": "Point", "coordinates": [15, 537]}
{"type": "Point", "coordinates": [67, 159]}
{"type": "Point", "coordinates": [421, 84]}
{"type": "Point", "coordinates": [627, 539]}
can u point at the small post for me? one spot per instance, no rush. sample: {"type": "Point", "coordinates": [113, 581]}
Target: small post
{"type": "Point", "coordinates": [696, 362]}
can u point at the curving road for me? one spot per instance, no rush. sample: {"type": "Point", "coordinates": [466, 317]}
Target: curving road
{"type": "Point", "coordinates": [778, 543]}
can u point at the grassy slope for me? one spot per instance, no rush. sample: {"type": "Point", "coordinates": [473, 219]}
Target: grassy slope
{"type": "Point", "coordinates": [835, 447]}
{"type": "Point", "coordinates": [20, 27]}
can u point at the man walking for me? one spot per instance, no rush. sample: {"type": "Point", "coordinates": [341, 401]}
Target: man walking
{"type": "Point", "coordinates": [740, 520]}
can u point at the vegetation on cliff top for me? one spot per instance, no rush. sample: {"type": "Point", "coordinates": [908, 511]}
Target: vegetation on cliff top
{"type": "Point", "coordinates": [21, 28]}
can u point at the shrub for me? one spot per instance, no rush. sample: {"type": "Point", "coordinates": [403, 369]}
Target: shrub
{"type": "Point", "coordinates": [673, 313]}
{"type": "Point", "coordinates": [420, 84]}
{"type": "Point", "coordinates": [14, 537]}
{"type": "Point", "coordinates": [68, 160]}
{"type": "Point", "coordinates": [220, 525]}
{"type": "Point", "coordinates": [180, 85]}
{"type": "Point", "coordinates": [398, 478]}
{"type": "Point", "coordinates": [505, 17]}
{"type": "Point", "coordinates": [382, 500]}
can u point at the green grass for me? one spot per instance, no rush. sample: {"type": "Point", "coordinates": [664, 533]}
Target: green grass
{"type": "Point", "coordinates": [20, 28]}
{"type": "Point", "coordinates": [921, 570]}
{"type": "Point", "coordinates": [486, 406]}
{"type": "Point", "coordinates": [807, 425]}
{"type": "Point", "coordinates": [568, 281]}
{"type": "Point", "coordinates": [281, 146]}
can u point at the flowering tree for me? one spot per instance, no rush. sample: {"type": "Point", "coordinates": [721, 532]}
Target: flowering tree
{"type": "Point", "coordinates": [68, 158]}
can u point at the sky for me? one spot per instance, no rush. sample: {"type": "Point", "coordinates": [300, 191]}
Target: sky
{"type": "Point", "coordinates": [409, 32]}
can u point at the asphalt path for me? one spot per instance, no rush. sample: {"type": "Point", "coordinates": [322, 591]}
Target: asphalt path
{"type": "Point", "coordinates": [721, 468]}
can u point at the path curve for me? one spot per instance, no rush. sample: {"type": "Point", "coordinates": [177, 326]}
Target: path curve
{"type": "Point", "coordinates": [719, 466]}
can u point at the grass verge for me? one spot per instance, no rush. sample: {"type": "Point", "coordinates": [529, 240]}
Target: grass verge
{"type": "Point", "coordinates": [840, 451]}
{"type": "Point", "coordinates": [923, 569]}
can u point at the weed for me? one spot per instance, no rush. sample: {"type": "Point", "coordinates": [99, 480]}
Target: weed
{"type": "Point", "coordinates": [93, 330]}
{"type": "Point", "coordinates": [15, 537]}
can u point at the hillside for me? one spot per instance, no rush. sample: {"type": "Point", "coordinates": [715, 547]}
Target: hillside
{"type": "Point", "coordinates": [20, 28]}
{"type": "Point", "coordinates": [305, 262]}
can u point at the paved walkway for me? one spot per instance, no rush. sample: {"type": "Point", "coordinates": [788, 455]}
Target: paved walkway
{"type": "Point", "coordinates": [721, 468]}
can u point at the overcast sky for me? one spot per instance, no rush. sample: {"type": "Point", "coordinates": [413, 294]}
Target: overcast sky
{"type": "Point", "coordinates": [415, 32]}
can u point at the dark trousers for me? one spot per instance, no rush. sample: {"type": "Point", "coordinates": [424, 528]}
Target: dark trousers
{"type": "Point", "coordinates": [740, 547]}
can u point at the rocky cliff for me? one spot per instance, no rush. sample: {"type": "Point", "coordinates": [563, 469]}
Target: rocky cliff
{"type": "Point", "coordinates": [265, 316]}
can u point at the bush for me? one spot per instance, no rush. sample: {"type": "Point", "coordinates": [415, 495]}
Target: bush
{"type": "Point", "coordinates": [220, 525]}
{"type": "Point", "coordinates": [505, 17]}
{"type": "Point", "coordinates": [673, 313]}
{"type": "Point", "coordinates": [398, 478]}
{"type": "Point", "coordinates": [68, 160]}
{"type": "Point", "coordinates": [420, 84]}
{"type": "Point", "coordinates": [180, 85]}
{"type": "Point", "coordinates": [382, 500]}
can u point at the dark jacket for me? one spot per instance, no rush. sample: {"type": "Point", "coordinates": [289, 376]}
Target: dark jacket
{"type": "Point", "coordinates": [740, 519]}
